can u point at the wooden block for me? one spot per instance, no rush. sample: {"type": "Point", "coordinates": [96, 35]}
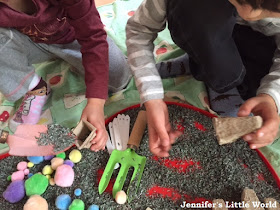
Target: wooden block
{"type": "Point", "coordinates": [271, 204]}
{"type": "Point", "coordinates": [85, 132]}
{"type": "Point", "coordinates": [249, 196]}
{"type": "Point", "coordinates": [229, 129]}
{"type": "Point", "coordinates": [219, 204]}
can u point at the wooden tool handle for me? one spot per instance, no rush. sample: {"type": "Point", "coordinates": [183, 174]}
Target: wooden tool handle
{"type": "Point", "coordinates": [3, 136]}
{"type": "Point", "coordinates": [137, 130]}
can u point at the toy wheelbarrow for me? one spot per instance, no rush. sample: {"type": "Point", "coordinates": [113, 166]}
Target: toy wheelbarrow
{"type": "Point", "coordinates": [127, 158]}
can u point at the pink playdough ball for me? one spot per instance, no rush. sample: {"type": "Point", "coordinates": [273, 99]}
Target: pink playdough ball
{"type": "Point", "coordinates": [18, 175]}
{"type": "Point", "coordinates": [21, 166]}
{"type": "Point", "coordinates": [64, 176]}
{"type": "Point", "coordinates": [26, 171]}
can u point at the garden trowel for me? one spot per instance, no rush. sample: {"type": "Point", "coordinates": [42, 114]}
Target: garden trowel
{"type": "Point", "coordinates": [127, 158]}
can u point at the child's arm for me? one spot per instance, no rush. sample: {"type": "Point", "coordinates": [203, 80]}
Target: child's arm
{"type": "Point", "coordinates": [141, 31]}
{"type": "Point", "coordinates": [266, 104]}
{"type": "Point", "coordinates": [90, 33]}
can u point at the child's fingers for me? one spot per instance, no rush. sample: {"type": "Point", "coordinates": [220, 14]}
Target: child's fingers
{"type": "Point", "coordinates": [99, 140]}
{"type": "Point", "coordinates": [246, 108]}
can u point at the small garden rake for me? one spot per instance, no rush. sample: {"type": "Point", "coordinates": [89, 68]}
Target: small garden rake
{"type": "Point", "coordinates": [127, 158]}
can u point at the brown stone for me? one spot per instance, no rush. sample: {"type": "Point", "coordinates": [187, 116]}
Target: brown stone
{"type": "Point", "coordinates": [229, 129]}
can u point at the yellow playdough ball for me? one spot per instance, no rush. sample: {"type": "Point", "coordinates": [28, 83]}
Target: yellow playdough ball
{"type": "Point", "coordinates": [121, 197]}
{"type": "Point", "coordinates": [30, 164]}
{"type": "Point", "coordinates": [47, 170]}
{"type": "Point", "coordinates": [75, 156]}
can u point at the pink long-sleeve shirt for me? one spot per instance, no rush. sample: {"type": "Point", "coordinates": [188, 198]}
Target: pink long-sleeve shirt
{"type": "Point", "coordinates": [61, 22]}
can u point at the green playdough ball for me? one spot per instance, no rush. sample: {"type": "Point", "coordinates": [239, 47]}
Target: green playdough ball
{"type": "Point", "coordinates": [61, 155]}
{"type": "Point", "coordinates": [77, 204]}
{"type": "Point", "coordinates": [36, 185]}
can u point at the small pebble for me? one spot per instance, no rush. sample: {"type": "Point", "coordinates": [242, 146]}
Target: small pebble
{"type": "Point", "coordinates": [93, 207]}
{"type": "Point", "coordinates": [48, 157]}
{"type": "Point", "coordinates": [61, 155]}
{"type": "Point", "coordinates": [29, 175]}
{"type": "Point", "coordinates": [64, 176]}
{"type": "Point", "coordinates": [78, 192]}
{"type": "Point", "coordinates": [77, 204]}
{"type": "Point", "coordinates": [21, 166]}
{"type": "Point", "coordinates": [18, 175]}
{"type": "Point", "coordinates": [63, 201]}
{"type": "Point", "coordinates": [36, 202]}
{"type": "Point", "coordinates": [26, 171]}
{"type": "Point", "coordinates": [9, 178]}
{"type": "Point", "coordinates": [121, 197]}
{"type": "Point", "coordinates": [69, 162]}
{"type": "Point", "coordinates": [75, 156]}
{"type": "Point", "coordinates": [36, 159]}
{"type": "Point", "coordinates": [30, 164]}
{"type": "Point", "coordinates": [47, 170]}
{"type": "Point", "coordinates": [55, 162]}
{"type": "Point", "coordinates": [15, 192]}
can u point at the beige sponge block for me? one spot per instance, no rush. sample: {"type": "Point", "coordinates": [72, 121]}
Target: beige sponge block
{"type": "Point", "coordinates": [249, 197]}
{"type": "Point", "coordinates": [229, 129]}
{"type": "Point", "coordinates": [219, 204]}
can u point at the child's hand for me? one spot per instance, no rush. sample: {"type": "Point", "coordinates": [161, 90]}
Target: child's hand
{"type": "Point", "coordinates": [161, 135]}
{"type": "Point", "coordinates": [264, 106]}
{"type": "Point", "coordinates": [94, 113]}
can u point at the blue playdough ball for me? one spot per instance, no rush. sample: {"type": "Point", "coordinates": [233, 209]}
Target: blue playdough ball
{"type": "Point", "coordinates": [63, 201]}
{"type": "Point", "coordinates": [93, 207]}
{"type": "Point", "coordinates": [29, 175]}
{"type": "Point", "coordinates": [35, 159]}
{"type": "Point", "coordinates": [78, 192]}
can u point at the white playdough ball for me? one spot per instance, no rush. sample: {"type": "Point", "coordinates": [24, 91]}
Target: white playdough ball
{"type": "Point", "coordinates": [121, 197]}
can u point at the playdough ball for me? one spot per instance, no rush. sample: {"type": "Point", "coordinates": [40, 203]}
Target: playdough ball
{"type": "Point", "coordinates": [21, 166]}
{"type": "Point", "coordinates": [14, 192]}
{"type": "Point", "coordinates": [121, 197]}
{"type": "Point", "coordinates": [36, 159]}
{"type": "Point", "coordinates": [69, 162]}
{"type": "Point", "coordinates": [49, 157]}
{"type": "Point", "coordinates": [77, 204]}
{"type": "Point", "coordinates": [52, 182]}
{"type": "Point", "coordinates": [75, 156]}
{"type": "Point", "coordinates": [29, 175]}
{"type": "Point", "coordinates": [63, 201]}
{"type": "Point", "coordinates": [9, 178]}
{"type": "Point", "coordinates": [93, 207]}
{"type": "Point", "coordinates": [55, 162]}
{"type": "Point", "coordinates": [30, 164]}
{"type": "Point", "coordinates": [36, 185]}
{"type": "Point", "coordinates": [64, 176]}
{"type": "Point", "coordinates": [61, 155]}
{"type": "Point", "coordinates": [47, 170]}
{"type": "Point", "coordinates": [26, 171]}
{"type": "Point", "coordinates": [18, 175]}
{"type": "Point", "coordinates": [36, 202]}
{"type": "Point", "coordinates": [78, 192]}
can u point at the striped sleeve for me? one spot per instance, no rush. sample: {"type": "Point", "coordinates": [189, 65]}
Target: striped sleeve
{"type": "Point", "coordinates": [141, 31]}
